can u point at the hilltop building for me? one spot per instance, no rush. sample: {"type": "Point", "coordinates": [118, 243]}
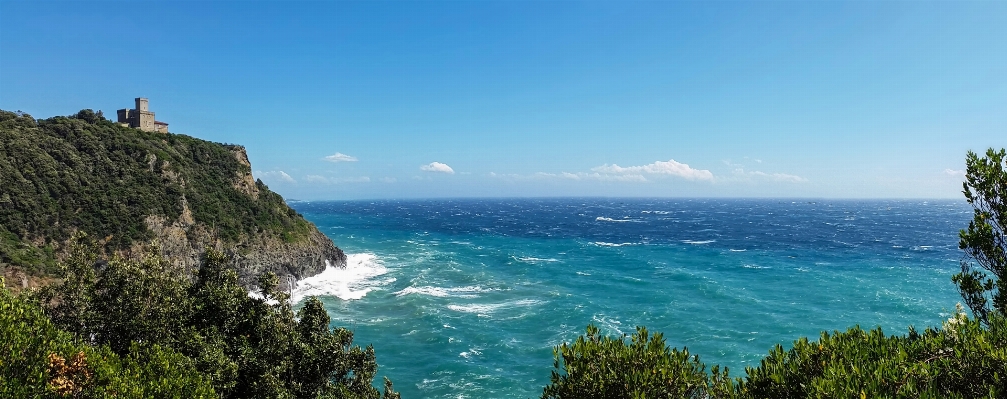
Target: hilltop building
{"type": "Point", "coordinates": [141, 118]}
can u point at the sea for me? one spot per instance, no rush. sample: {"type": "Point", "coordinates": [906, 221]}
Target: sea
{"type": "Point", "coordinates": [466, 298]}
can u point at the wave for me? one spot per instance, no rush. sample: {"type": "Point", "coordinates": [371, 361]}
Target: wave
{"type": "Point", "coordinates": [474, 351]}
{"type": "Point", "coordinates": [609, 244]}
{"type": "Point", "coordinates": [349, 283]}
{"type": "Point", "coordinates": [605, 219]}
{"type": "Point", "coordinates": [465, 292]}
{"type": "Point", "coordinates": [531, 259]}
{"type": "Point", "coordinates": [486, 309]}
{"type": "Point", "coordinates": [698, 242]}
{"type": "Point", "coordinates": [737, 250]}
{"type": "Point", "coordinates": [608, 324]}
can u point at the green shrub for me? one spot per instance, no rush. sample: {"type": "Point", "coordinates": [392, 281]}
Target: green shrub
{"type": "Point", "coordinates": [963, 359]}
{"type": "Point", "coordinates": [245, 347]}
{"type": "Point", "coordinates": [37, 360]}
{"type": "Point", "coordinates": [602, 367]}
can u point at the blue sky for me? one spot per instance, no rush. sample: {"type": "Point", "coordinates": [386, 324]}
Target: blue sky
{"type": "Point", "coordinates": [345, 100]}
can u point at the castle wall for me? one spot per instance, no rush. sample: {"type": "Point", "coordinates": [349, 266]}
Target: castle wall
{"type": "Point", "coordinates": [123, 115]}
{"type": "Point", "coordinates": [141, 117]}
{"type": "Point", "coordinates": [145, 121]}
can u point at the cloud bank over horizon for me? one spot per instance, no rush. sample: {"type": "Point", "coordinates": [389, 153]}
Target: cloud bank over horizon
{"type": "Point", "coordinates": [670, 167]}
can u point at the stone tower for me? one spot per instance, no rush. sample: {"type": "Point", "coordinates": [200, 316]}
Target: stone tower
{"type": "Point", "coordinates": [141, 118]}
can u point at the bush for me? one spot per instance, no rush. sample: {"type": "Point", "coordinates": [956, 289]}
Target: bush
{"type": "Point", "coordinates": [37, 360]}
{"type": "Point", "coordinates": [962, 360]}
{"type": "Point", "coordinates": [245, 347]}
{"type": "Point", "coordinates": [604, 367]}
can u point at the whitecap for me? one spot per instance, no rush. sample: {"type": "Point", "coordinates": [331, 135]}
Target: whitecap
{"type": "Point", "coordinates": [532, 259]}
{"type": "Point", "coordinates": [475, 351]}
{"type": "Point", "coordinates": [698, 242]}
{"type": "Point", "coordinates": [584, 273]}
{"type": "Point", "coordinates": [609, 244]}
{"type": "Point", "coordinates": [462, 292]}
{"type": "Point", "coordinates": [352, 282]}
{"type": "Point", "coordinates": [486, 309]}
{"type": "Point", "coordinates": [605, 219]}
{"type": "Point", "coordinates": [608, 324]}
{"type": "Point", "coordinates": [737, 250]}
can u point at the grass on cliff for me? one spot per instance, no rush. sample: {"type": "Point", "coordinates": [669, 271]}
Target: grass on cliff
{"type": "Point", "coordinates": [83, 172]}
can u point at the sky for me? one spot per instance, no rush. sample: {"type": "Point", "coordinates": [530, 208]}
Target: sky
{"type": "Point", "coordinates": [374, 100]}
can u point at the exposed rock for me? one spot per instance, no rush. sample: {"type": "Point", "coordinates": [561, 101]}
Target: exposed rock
{"type": "Point", "coordinates": [244, 183]}
{"type": "Point", "coordinates": [183, 241]}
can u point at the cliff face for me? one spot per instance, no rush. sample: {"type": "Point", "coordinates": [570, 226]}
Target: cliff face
{"type": "Point", "coordinates": [183, 241]}
{"type": "Point", "coordinates": [128, 188]}
{"type": "Point", "coordinates": [184, 244]}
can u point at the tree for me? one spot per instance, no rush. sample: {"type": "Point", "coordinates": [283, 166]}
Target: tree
{"type": "Point", "coordinates": [984, 288]}
{"type": "Point", "coordinates": [38, 360]}
{"type": "Point", "coordinates": [243, 347]}
{"type": "Point", "coordinates": [603, 367]}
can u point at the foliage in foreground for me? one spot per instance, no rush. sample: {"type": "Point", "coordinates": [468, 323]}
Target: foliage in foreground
{"type": "Point", "coordinates": [984, 288]}
{"type": "Point", "coordinates": [966, 358]}
{"type": "Point", "coordinates": [246, 347]}
{"type": "Point", "coordinates": [596, 366]}
{"type": "Point", "coordinates": [37, 360]}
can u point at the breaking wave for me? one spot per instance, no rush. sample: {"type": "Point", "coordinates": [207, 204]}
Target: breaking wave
{"type": "Point", "coordinates": [352, 282]}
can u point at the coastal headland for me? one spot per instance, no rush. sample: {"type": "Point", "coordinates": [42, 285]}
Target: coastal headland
{"type": "Point", "coordinates": [131, 188]}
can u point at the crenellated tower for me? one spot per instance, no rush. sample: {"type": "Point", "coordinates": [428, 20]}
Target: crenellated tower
{"type": "Point", "coordinates": [141, 117]}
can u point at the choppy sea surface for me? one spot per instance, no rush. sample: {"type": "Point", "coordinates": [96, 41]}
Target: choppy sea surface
{"type": "Point", "coordinates": [466, 298]}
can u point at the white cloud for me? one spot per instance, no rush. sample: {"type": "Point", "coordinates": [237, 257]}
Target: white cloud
{"type": "Point", "coordinates": [336, 180]}
{"type": "Point", "coordinates": [437, 167]}
{"type": "Point", "coordinates": [579, 176]}
{"type": "Point", "coordinates": [340, 157]}
{"type": "Point", "coordinates": [315, 179]}
{"type": "Point", "coordinates": [275, 175]}
{"type": "Point", "coordinates": [779, 177]}
{"type": "Point", "coordinates": [670, 167]}
{"type": "Point", "coordinates": [955, 173]}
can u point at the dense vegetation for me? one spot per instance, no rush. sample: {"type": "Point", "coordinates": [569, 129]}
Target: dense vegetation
{"type": "Point", "coordinates": [85, 173]}
{"type": "Point", "coordinates": [200, 337]}
{"type": "Point", "coordinates": [37, 360]}
{"type": "Point", "coordinates": [965, 358]}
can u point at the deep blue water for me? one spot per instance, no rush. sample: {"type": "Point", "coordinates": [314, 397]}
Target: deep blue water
{"type": "Point", "coordinates": [466, 298]}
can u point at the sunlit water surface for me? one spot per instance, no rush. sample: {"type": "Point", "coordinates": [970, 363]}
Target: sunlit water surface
{"type": "Point", "coordinates": [466, 298]}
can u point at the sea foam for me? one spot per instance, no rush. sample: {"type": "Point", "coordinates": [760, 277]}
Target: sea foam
{"type": "Point", "coordinates": [605, 219]}
{"type": "Point", "coordinates": [352, 282]}
{"type": "Point", "coordinates": [486, 309]}
{"type": "Point", "coordinates": [461, 292]}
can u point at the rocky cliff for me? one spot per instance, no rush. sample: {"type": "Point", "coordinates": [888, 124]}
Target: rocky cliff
{"type": "Point", "coordinates": [128, 188]}
{"type": "Point", "coordinates": [184, 240]}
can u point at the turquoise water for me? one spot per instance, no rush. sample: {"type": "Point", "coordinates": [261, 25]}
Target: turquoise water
{"type": "Point", "coordinates": [466, 298]}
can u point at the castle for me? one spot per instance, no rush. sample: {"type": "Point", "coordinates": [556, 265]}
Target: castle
{"type": "Point", "coordinates": [141, 118]}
